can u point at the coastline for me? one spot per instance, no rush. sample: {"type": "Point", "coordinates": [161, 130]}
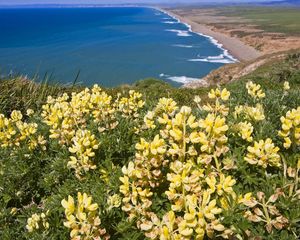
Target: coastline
{"type": "Point", "coordinates": [233, 48]}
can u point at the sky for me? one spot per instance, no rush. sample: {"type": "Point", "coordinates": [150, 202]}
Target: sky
{"type": "Point", "coordinates": [16, 2]}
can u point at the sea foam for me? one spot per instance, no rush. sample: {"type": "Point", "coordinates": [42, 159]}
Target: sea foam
{"type": "Point", "coordinates": [180, 33]}
{"type": "Point", "coordinates": [213, 59]}
{"type": "Point", "coordinates": [214, 41]}
{"type": "Point", "coordinates": [179, 79]}
{"type": "Point", "coordinates": [183, 46]}
{"type": "Point", "coordinates": [170, 22]}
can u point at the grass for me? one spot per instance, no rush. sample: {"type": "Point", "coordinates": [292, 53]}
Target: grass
{"type": "Point", "coordinates": [21, 93]}
{"type": "Point", "coordinates": [271, 19]}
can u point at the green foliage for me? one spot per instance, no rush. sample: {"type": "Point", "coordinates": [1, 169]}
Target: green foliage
{"type": "Point", "coordinates": [34, 182]}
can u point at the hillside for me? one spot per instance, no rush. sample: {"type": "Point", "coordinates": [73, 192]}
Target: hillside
{"type": "Point", "coordinates": [150, 161]}
{"type": "Point", "coordinates": [271, 66]}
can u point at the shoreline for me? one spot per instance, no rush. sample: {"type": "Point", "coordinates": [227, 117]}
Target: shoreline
{"type": "Point", "coordinates": [211, 38]}
{"type": "Point", "coordinates": [233, 48]}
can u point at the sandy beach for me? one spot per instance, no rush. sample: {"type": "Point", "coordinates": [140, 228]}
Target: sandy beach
{"type": "Point", "coordinates": [235, 47]}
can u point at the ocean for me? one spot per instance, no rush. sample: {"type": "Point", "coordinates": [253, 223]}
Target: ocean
{"type": "Point", "coordinates": [108, 46]}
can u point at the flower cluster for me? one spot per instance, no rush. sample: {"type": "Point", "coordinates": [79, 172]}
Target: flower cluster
{"type": "Point", "coordinates": [37, 222]}
{"type": "Point", "coordinates": [68, 117]}
{"type": "Point", "coordinates": [14, 132]}
{"type": "Point", "coordinates": [290, 131]}
{"type": "Point", "coordinates": [65, 114]}
{"type": "Point", "coordinates": [254, 90]}
{"type": "Point", "coordinates": [103, 109]}
{"type": "Point", "coordinates": [164, 110]}
{"type": "Point", "coordinates": [263, 153]}
{"type": "Point", "coordinates": [82, 218]}
{"type": "Point", "coordinates": [245, 130]}
{"type": "Point", "coordinates": [142, 175]}
{"type": "Point", "coordinates": [196, 189]}
{"type": "Point", "coordinates": [83, 145]}
{"type": "Point", "coordinates": [192, 174]}
{"type": "Point", "coordinates": [217, 107]}
{"type": "Point", "coordinates": [130, 106]}
{"type": "Point", "coordinates": [114, 201]}
{"type": "Point", "coordinates": [255, 114]}
{"type": "Point", "coordinates": [58, 114]}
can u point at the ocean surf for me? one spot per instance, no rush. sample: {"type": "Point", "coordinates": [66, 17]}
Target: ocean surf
{"type": "Point", "coordinates": [108, 46]}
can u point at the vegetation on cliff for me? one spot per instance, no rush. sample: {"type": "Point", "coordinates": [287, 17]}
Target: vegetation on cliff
{"type": "Point", "coordinates": [151, 161]}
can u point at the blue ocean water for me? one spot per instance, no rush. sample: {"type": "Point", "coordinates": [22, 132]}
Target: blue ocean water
{"type": "Point", "coordinates": [108, 46]}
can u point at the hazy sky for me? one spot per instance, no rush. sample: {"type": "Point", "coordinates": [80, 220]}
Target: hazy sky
{"type": "Point", "coordinates": [13, 2]}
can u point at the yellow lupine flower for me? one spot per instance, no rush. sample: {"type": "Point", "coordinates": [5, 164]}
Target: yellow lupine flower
{"type": "Point", "coordinates": [290, 128]}
{"type": "Point", "coordinates": [286, 86]}
{"type": "Point", "coordinates": [252, 113]}
{"type": "Point", "coordinates": [194, 190]}
{"type": "Point", "coordinates": [225, 94]}
{"type": "Point", "coordinates": [245, 131]}
{"type": "Point", "coordinates": [69, 205]}
{"type": "Point", "coordinates": [82, 217]}
{"type": "Point", "coordinates": [197, 99]}
{"type": "Point", "coordinates": [114, 201]}
{"type": "Point", "coordinates": [157, 146]}
{"type": "Point", "coordinates": [254, 90]}
{"type": "Point", "coordinates": [37, 222]}
{"type": "Point", "coordinates": [217, 93]}
{"type": "Point", "coordinates": [16, 133]}
{"type": "Point", "coordinates": [263, 153]}
{"type": "Point", "coordinates": [29, 112]}
{"type": "Point", "coordinates": [84, 144]}
{"type": "Point", "coordinates": [16, 116]}
{"type": "Point", "coordinates": [225, 185]}
{"type": "Point", "coordinates": [130, 106]}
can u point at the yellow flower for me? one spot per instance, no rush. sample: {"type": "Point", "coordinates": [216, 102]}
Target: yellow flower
{"type": "Point", "coordinates": [157, 146]}
{"type": "Point", "coordinates": [290, 128]}
{"type": "Point", "coordinates": [82, 217]}
{"type": "Point", "coordinates": [68, 205]}
{"type": "Point", "coordinates": [254, 90]}
{"type": "Point", "coordinates": [286, 86]}
{"type": "Point", "coordinates": [130, 106]}
{"type": "Point", "coordinates": [217, 93]}
{"type": "Point", "coordinates": [16, 116]}
{"type": "Point", "coordinates": [252, 113]}
{"type": "Point", "coordinates": [225, 94]}
{"type": "Point", "coordinates": [225, 185]}
{"type": "Point", "coordinates": [114, 201]}
{"type": "Point", "coordinates": [197, 99]}
{"type": "Point", "coordinates": [37, 222]}
{"type": "Point", "coordinates": [29, 112]}
{"type": "Point", "coordinates": [84, 144]}
{"type": "Point", "coordinates": [245, 131]}
{"type": "Point", "coordinates": [263, 153]}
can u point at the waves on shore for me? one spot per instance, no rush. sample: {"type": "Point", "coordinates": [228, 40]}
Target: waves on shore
{"type": "Point", "coordinates": [226, 56]}
{"type": "Point", "coordinates": [183, 46]}
{"type": "Point", "coordinates": [170, 22]}
{"type": "Point", "coordinates": [179, 79]}
{"type": "Point", "coordinates": [213, 59]}
{"type": "Point", "coordinates": [180, 33]}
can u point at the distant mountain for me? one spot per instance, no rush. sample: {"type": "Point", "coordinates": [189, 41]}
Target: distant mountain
{"type": "Point", "coordinates": [284, 2]}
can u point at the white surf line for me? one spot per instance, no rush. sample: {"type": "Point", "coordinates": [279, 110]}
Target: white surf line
{"type": "Point", "coordinates": [180, 33]}
{"type": "Point", "coordinates": [183, 46]}
{"type": "Point", "coordinates": [212, 40]}
{"type": "Point", "coordinates": [181, 79]}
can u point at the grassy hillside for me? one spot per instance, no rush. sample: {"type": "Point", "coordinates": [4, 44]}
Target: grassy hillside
{"type": "Point", "coordinates": [271, 19]}
{"type": "Point", "coordinates": [150, 161]}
